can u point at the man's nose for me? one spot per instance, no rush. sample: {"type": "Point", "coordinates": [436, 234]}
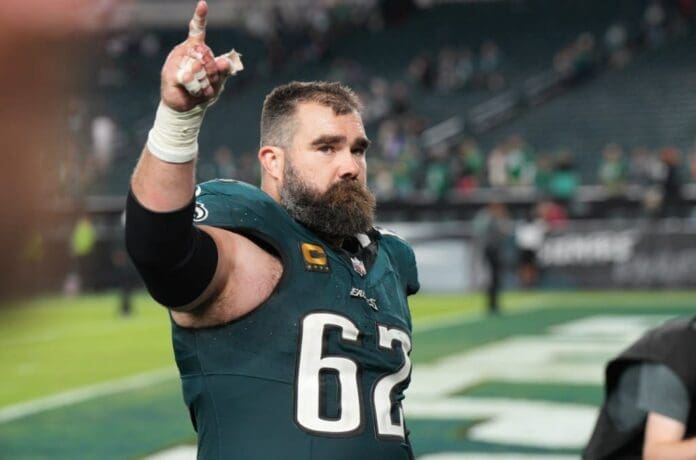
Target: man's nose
{"type": "Point", "coordinates": [349, 165]}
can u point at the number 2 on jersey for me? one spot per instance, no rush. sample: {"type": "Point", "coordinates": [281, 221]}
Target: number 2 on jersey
{"type": "Point", "coordinates": [313, 361]}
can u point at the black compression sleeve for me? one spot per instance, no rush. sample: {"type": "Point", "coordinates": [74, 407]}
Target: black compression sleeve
{"type": "Point", "coordinates": [176, 260]}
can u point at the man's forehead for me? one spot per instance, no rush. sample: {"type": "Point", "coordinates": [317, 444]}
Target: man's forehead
{"type": "Point", "coordinates": [313, 113]}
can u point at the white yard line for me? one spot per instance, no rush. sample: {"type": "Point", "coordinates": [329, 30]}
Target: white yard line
{"type": "Point", "coordinates": [501, 456]}
{"type": "Point", "coordinates": [78, 395]}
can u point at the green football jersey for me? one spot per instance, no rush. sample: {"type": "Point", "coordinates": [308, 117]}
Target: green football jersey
{"type": "Point", "coordinates": [318, 370]}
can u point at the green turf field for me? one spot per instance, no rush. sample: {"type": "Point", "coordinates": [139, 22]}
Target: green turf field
{"type": "Point", "coordinates": [85, 382]}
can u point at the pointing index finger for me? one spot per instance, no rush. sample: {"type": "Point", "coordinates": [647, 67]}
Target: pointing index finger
{"type": "Point", "coordinates": [197, 24]}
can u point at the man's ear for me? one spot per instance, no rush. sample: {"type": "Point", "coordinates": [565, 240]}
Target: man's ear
{"type": "Point", "coordinates": [272, 161]}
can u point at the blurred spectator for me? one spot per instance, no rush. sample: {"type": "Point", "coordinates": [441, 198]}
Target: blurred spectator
{"type": "Point", "coordinates": [82, 242]}
{"type": "Point", "coordinates": [654, 19]}
{"type": "Point", "coordinates": [521, 168]}
{"type": "Point", "coordinates": [576, 61]}
{"type": "Point", "coordinates": [378, 102]}
{"type": "Point", "coordinates": [465, 67]}
{"type": "Point", "coordinates": [529, 237]}
{"type": "Point", "coordinates": [497, 167]}
{"type": "Point", "coordinates": [467, 165]}
{"type": "Point", "coordinates": [423, 71]}
{"type": "Point", "coordinates": [382, 180]}
{"type": "Point", "coordinates": [585, 56]}
{"type": "Point", "coordinates": [641, 168]}
{"type": "Point", "coordinates": [126, 278]}
{"type": "Point", "coordinates": [400, 98]}
{"type": "Point", "coordinates": [405, 175]}
{"type": "Point", "coordinates": [552, 214]}
{"type": "Point", "coordinates": [492, 227]}
{"type": "Point", "coordinates": [687, 9]}
{"type": "Point", "coordinates": [447, 77]}
{"type": "Point", "coordinates": [437, 179]}
{"type": "Point", "coordinates": [616, 44]}
{"type": "Point", "coordinates": [489, 66]}
{"type": "Point", "coordinates": [564, 180]}
{"type": "Point", "coordinates": [390, 139]}
{"type": "Point", "coordinates": [612, 170]}
{"type": "Point", "coordinates": [544, 171]}
{"type": "Point", "coordinates": [103, 142]}
{"type": "Point", "coordinates": [671, 182]}
{"type": "Point", "coordinates": [563, 63]}
{"type": "Point", "coordinates": [692, 165]}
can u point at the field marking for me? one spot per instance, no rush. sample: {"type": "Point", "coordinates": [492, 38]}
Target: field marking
{"type": "Point", "coordinates": [529, 423]}
{"type": "Point", "coordinates": [550, 357]}
{"type": "Point", "coordinates": [78, 395]}
{"type": "Point", "coordinates": [175, 453]}
{"type": "Point", "coordinates": [501, 456]}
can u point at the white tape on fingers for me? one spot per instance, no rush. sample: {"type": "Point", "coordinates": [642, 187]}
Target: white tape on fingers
{"type": "Point", "coordinates": [187, 63]}
{"type": "Point", "coordinates": [193, 87]}
{"type": "Point", "coordinates": [235, 61]}
{"type": "Point", "coordinates": [204, 83]}
{"type": "Point", "coordinates": [181, 76]}
{"type": "Point", "coordinates": [197, 25]}
{"type": "Point", "coordinates": [185, 67]}
{"type": "Point", "coordinates": [201, 74]}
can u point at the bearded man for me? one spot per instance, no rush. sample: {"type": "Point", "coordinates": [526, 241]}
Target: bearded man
{"type": "Point", "coordinates": [290, 319]}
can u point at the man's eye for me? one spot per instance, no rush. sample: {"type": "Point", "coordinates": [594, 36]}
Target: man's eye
{"type": "Point", "coordinates": [359, 152]}
{"type": "Point", "coordinates": [326, 148]}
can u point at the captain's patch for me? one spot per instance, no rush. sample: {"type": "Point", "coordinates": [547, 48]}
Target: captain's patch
{"type": "Point", "coordinates": [315, 258]}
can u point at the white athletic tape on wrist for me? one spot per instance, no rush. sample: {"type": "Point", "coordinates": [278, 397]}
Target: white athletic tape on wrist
{"type": "Point", "coordinates": [174, 135]}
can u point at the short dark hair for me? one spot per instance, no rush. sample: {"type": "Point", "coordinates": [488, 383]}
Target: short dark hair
{"type": "Point", "coordinates": [281, 103]}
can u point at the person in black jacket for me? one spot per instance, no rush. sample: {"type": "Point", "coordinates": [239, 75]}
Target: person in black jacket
{"type": "Point", "coordinates": [649, 409]}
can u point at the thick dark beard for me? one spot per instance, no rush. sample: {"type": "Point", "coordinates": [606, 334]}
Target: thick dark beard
{"type": "Point", "coordinates": [345, 209]}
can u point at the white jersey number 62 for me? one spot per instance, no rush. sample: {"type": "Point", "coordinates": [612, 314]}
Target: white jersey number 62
{"type": "Point", "coordinates": [313, 361]}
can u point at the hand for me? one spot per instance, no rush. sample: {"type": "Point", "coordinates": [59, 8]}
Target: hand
{"type": "Point", "coordinates": [192, 75]}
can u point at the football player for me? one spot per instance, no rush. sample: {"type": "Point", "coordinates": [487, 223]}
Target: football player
{"type": "Point", "coordinates": [290, 319]}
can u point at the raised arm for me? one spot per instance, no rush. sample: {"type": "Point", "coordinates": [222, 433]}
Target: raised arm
{"type": "Point", "coordinates": [192, 79]}
{"type": "Point", "coordinates": [188, 269]}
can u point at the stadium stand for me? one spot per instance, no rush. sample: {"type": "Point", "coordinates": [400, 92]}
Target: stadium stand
{"type": "Point", "coordinates": [527, 35]}
{"type": "Point", "coordinates": [466, 103]}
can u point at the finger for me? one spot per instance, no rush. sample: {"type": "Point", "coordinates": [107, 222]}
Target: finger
{"type": "Point", "coordinates": [197, 24]}
{"type": "Point", "coordinates": [201, 75]}
{"type": "Point", "coordinates": [193, 87]}
{"type": "Point", "coordinates": [229, 63]}
{"type": "Point", "coordinates": [190, 75]}
{"type": "Point", "coordinates": [208, 61]}
{"type": "Point", "coordinates": [206, 87]}
{"type": "Point", "coordinates": [185, 69]}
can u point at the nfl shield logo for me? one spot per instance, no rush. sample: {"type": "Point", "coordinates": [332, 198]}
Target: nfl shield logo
{"type": "Point", "coordinates": [358, 266]}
